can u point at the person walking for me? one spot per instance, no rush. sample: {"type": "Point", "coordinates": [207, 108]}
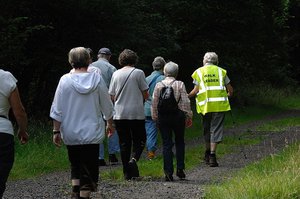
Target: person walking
{"type": "Point", "coordinates": [172, 121]}
{"type": "Point", "coordinates": [80, 100]}
{"type": "Point", "coordinates": [151, 126]}
{"type": "Point", "coordinates": [9, 99]}
{"type": "Point", "coordinates": [107, 69]}
{"type": "Point", "coordinates": [212, 87]}
{"type": "Point", "coordinates": [129, 90]}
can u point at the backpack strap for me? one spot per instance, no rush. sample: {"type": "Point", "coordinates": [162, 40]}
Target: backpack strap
{"type": "Point", "coordinates": [173, 89]}
{"type": "Point", "coordinates": [169, 84]}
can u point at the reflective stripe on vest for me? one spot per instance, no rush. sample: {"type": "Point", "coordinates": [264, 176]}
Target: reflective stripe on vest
{"type": "Point", "coordinates": [207, 88]}
{"type": "Point", "coordinates": [213, 99]}
{"type": "Point", "coordinates": [216, 94]}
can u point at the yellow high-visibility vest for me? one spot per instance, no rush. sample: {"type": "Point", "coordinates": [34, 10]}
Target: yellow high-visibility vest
{"type": "Point", "coordinates": [212, 95]}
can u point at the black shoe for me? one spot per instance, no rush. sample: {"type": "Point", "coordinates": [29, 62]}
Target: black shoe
{"type": "Point", "coordinates": [127, 176]}
{"type": "Point", "coordinates": [113, 160]}
{"type": "Point", "coordinates": [206, 157]}
{"type": "Point", "coordinates": [180, 174]}
{"type": "Point", "coordinates": [101, 162]}
{"type": "Point", "coordinates": [169, 178]}
{"type": "Point", "coordinates": [133, 169]}
{"type": "Point", "coordinates": [213, 160]}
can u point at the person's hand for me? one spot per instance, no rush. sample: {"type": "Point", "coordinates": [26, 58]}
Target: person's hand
{"type": "Point", "coordinates": [57, 139]}
{"type": "Point", "coordinates": [110, 130]}
{"type": "Point", "coordinates": [23, 136]}
{"type": "Point", "coordinates": [188, 122]}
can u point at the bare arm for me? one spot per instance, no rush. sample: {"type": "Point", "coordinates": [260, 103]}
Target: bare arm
{"type": "Point", "coordinates": [194, 91]}
{"type": "Point", "coordinates": [56, 136]}
{"type": "Point", "coordinates": [56, 125]}
{"type": "Point", "coordinates": [229, 90]}
{"type": "Point", "coordinates": [20, 115]}
{"type": "Point", "coordinates": [145, 94]}
{"type": "Point", "coordinates": [110, 129]}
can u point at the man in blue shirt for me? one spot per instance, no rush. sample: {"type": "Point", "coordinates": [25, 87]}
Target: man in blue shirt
{"type": "Point", "coordinates": [151, 129]}
{"type": "Point", "coordinates": [107, 70]}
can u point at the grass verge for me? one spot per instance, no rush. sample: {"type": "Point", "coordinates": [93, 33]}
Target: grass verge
{"type": "Point", "coordinates": [277, 176]}
{"type": "Point", "coordinates": [39, 156]}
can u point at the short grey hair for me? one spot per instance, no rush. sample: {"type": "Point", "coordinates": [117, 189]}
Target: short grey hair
{"type": "Point", "coordinates": [210, 58]}
{"type": "Point", "coordinates": [79, 57]}
{"type": "Point", "coordinates": [171, 69]}
{"type": "Point", "coordinates": [158, 63]}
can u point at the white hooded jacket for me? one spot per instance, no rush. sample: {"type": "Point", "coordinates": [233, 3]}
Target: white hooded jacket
{"type": "Point", "coordinates": [80, 101]}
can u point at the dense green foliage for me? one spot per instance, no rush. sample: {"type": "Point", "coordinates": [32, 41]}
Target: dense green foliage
{"type": "Point", "coordinates": [257, 41]}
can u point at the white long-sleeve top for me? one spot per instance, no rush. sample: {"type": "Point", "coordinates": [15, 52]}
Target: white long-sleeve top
{"type": "Point", "coordinates": [80, 101]}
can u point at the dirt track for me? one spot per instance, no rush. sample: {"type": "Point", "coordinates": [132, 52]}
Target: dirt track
{"type": "Point", "coordinates": [57, 185]}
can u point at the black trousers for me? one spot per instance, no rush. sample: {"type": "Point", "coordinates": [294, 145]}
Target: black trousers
{"type": "Point", "coordinates": [84, 165]}
{"type": "Point", "coordinates": [7, 156]}
{"type": "Point", "coordinates": [172, 125]}
{"type": "Point", "coordinates": [132, 135]}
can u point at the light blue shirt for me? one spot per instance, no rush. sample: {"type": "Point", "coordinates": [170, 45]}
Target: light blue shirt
{"type": "Point", "coordinates": [106, 69]}
{"type": "Point", "coordinates": [149, 79]}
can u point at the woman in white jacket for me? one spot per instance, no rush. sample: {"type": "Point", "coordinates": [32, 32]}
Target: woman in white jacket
{"type": "Point", "coordinates": [80, 100]}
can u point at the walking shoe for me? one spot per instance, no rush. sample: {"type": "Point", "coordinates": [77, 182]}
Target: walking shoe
{"type": "Point", "coordinates": [180, 174]}
{"type": "Point", "coordinates": [75, 195]}
{"type": "Point", "coordinates": [133, 169]}
{"type": "Point", "coordinates": [150, 155]}
{"type": "Point", "coordinates": [169, 178]}
{"type": "Point", "coordinates": [101, 162]}
{"type": "Point", "coordinates": [206, 157]}
{"type": "Point", "coordinates": [127, 176]}
{"type": "Point", "coordinates": [213, 160]}
{"type": "Point", "coordinates": [113, 160]}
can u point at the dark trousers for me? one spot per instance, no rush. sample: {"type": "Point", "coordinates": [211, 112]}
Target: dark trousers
{"type": "Point", "coordinates": [7, 156]}
{"type": "Point", "coordinates": [169, 124]}
{"type": "Point", "coordinates": [132, 135]}
{"type": "Point", "coordinates": [84, 165]}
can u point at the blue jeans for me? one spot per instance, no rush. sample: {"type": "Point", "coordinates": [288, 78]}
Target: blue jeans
{"type": "Point", "coordinates": [169, 124]}
{"type": "Point", "coordinates": [151, 132]}
{"type": "Point", "coordinates": [113, 145]}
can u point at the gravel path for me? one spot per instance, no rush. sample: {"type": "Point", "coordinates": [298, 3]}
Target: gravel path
{"type": "Point", "coordinates": [57, 185]}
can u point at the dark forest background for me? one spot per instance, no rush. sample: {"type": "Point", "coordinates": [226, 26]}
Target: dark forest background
{"type": "Point", "coordinates": [257, 40]}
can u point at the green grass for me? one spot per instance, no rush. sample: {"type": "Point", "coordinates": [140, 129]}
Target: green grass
{"type": "Point", "coordinates": [290, 102]}
{"type": "Point", "coordinates": [280, 125]}
{"type": "Point", "coordinates": [40, 156]}
{"type": "Point", "coordinates": [267, 95]}
{"type": "Point", "coordinates": [275, 177]}
{"type": "Point", "coordinates": [193, 157]}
